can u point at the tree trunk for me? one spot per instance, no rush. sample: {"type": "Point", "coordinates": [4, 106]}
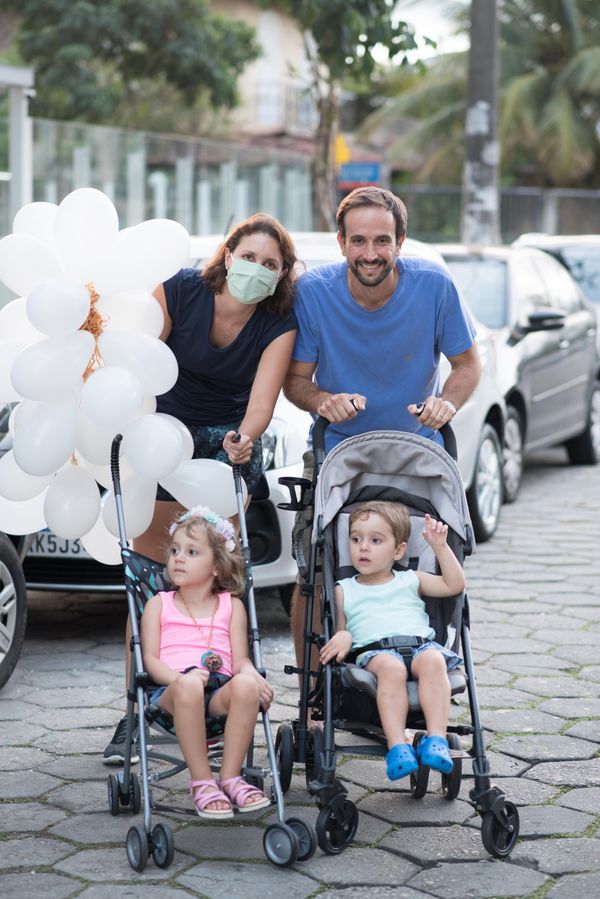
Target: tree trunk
{"type": "Point", "coordinates": [325, 197]}
{"type": "Point", "coordinates": [480, 196]}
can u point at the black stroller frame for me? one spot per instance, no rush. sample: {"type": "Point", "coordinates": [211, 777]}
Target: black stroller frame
{"type": "Point", "coordinates": [340, 692]}
{"type": "Point", "coordinates": [285, 841]}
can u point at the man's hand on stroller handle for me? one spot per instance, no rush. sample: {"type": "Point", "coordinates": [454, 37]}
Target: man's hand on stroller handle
{"type": "Point", "coordinates": [341, 406]}
{"type": "Point", "coordinates": [337, 648]}
{"type": "Point", "coordinates": [434, 412]}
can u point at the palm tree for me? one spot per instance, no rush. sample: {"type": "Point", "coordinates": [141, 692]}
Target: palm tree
{"type": "Point", "coordinates": [549, 97]}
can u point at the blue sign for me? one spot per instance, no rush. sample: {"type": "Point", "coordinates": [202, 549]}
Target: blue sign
{"type": "Point", "coordinates": [360, 172]}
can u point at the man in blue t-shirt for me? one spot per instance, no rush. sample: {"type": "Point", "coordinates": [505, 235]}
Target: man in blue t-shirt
{"type": "Point", "coordinates": [370, 333]}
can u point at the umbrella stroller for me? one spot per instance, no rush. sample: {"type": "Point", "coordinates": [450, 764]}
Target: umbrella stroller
{"type": "Point", "coordinates": [424, 477]}
{"type": "Point", "coordinates": [286, 841]}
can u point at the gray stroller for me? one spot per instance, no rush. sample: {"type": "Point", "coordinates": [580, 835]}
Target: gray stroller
{"type": "Point", "coordinates": [414, 471]}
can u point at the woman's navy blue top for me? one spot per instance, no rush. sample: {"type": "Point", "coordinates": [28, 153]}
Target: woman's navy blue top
{"type": "Point", "coordinates": [214, 383]}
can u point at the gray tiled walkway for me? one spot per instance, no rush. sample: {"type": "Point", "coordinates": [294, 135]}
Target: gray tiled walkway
{"type": "Point", "coordinates": [535, 602]}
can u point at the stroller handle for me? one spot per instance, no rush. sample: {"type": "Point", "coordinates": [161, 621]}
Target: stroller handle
{"type": "Point", "coordinates": [321, 425]}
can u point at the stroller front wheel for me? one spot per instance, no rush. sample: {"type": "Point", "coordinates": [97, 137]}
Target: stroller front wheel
{"type": "Point", "coordinates": [337, 825]}
{"type": "Point", "coordinates": [307, 838]}
{"type": "Point", "coordinates": [451, 782]}
{"type": "Point", "coordinates": [281, 845]}
{"type": "Point", "coordinates": [499, 838]}
{"type": "Point", "coordinates": [163, 845]}
{"type": "Point", "coordinates": [136, 846]}
{"type": "Point", "coordinates": [419, 779]}
{"type": "Point", "coordinates": [284, 753]}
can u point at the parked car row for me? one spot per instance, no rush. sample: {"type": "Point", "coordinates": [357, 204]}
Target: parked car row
{"type": "Point", "coordinates": [540, 386]}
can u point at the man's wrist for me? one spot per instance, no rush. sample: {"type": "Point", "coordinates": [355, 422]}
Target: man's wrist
{"type": "Point", "coordinates": [450, 405]}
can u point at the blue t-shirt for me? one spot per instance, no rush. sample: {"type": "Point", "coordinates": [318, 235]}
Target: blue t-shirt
{"type": "Point", "coordinates": [390, 355]}
{"type": "Point", "coordinates": [214, 383]}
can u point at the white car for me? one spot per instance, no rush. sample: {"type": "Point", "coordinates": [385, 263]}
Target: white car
{"type": "Point", "coordinates": [58, 564]}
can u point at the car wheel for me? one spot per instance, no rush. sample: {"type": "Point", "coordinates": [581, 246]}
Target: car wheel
{"type": "Point", "coordinates": [585, 449]}
{"type": "Point", "coordinates": [485, 494]}
{"type": "Point", "coordinates": [13, 608]}
{"type": "Point", "coordinates": [512, 469]}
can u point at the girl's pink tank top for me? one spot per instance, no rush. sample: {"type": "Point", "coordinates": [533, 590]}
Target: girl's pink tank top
{"type": "Point", "coordinates": [182, 643]}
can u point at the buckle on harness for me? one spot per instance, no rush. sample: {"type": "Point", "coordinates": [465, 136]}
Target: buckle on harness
{"type": "Point", "coordinates": [399, 641]}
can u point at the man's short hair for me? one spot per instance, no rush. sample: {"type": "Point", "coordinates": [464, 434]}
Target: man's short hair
{"type": "Point", "coordinates": [373, 196]}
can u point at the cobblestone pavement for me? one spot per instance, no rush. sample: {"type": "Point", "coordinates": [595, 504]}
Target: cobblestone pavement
{"type": "Point", "coordinates": [534, 593]}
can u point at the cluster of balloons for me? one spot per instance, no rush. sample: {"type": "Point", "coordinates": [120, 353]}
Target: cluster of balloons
{"type": "Point", "coordinates": [80, 355]}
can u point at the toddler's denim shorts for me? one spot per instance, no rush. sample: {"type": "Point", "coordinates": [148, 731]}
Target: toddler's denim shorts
{"type": "Point", "coordinates": [452, 660]}
{"type": "Point", "coordinates": [215, 682]}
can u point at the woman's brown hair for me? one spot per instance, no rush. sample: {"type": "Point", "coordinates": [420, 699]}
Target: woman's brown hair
{"type": "Point", "coordinates": [214, 272]}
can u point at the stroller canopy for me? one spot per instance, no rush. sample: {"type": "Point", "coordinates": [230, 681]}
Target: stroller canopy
{"type": "Point", "coordinates": [395, 459]}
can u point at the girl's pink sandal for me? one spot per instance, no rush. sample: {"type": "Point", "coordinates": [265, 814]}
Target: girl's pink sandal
{"type": "Point", "coordinates": [240, 792]}
{"type": "Point", "coordinates": [202, 795]}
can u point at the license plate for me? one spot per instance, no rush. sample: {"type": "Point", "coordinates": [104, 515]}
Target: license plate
{"type": "Point", "coordinates": [45, 543]}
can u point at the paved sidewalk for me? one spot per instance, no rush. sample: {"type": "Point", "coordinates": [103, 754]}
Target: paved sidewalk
{"type": "Point", "coordinates": [535, 600]}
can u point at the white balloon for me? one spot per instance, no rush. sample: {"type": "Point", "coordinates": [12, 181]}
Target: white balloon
{"type": "Point", "coordinates": [149, 404]}
{"type": "Point", "coordinates": [58, 306]}
{"type": "Point", "coordinates": [111, 397]}
{"type": "Point", "coordinates": [53, 367]}
{"type": "Point", "coordinates": [15, 324]}
{"type": "Point", "coordinates": [45, 437]}
{"type": "Point", "coordinates": [149, 359]}
{"type": "Point", "coordinates": [37, 220]}
{"type": "Point", "coordinates": [134, 310]}
{"type": "Point", "coordinates": [101, 544]}
{"type": "Point", "coordinates": [85, 230]}
{"type": "Point", "coordinates": [92, 441]}
{"type": "Point", "coordinates": [144, 256]}
{"type": "Point", "coordinates": [17, 484]}
{"type": "Point", "coordinates": [25, 261]}
{"type": "Point", "coordinates": [139, 495]}
{"type": "Point", "coordinates": [9, 353]}
{"type": "Point", "coordinates": [204, 482]}
{"type": "Point", "coordinates": [72, 503]}
{"type": "Point", "coordinates": [153, 446]}
{"type": "Point", "coordinates": [186, 437]}
{"type": "Point", "coordinates": [22, 516]}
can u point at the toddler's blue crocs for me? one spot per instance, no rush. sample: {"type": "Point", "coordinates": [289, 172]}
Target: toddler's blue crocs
{"type": "Point", "coordinates": [434, 752]}
{"type": "Point", "coordinates": [401, 760]}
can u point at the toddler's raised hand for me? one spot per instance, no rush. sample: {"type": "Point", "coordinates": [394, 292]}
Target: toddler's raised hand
{"type": "Point", "coordinates": [435, 532]}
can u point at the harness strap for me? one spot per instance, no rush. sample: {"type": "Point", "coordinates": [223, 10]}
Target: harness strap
{"type": "Point", "coordinates": [397, 641]}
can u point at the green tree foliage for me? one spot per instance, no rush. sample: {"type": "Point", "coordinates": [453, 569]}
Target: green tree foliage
{"type": "Point", "coordinates": [341, 37]}
{"type": "Point", "coordinates": [549, 104]}
{"type": "Point", "coordinates": [92, 57]}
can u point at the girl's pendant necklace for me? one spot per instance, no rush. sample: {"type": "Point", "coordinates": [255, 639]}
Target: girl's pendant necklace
{"type": "Point", "coordinates": [210, 659]}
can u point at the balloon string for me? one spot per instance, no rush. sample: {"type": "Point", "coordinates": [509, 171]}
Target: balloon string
{"type": "Point", "coordinates": [94, 323]}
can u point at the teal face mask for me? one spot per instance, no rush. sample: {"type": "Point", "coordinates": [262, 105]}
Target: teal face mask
{"type": "Point", "coordinates": [250, 282]}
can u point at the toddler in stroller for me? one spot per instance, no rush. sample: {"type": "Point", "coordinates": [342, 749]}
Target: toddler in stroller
{"type": "Point", "coordinates": [380, 603]}
{"type": "Point", "coordinates": [392, 468]}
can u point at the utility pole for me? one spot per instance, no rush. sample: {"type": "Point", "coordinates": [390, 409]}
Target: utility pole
{"type": "Point", "coordinates": [480, 195]}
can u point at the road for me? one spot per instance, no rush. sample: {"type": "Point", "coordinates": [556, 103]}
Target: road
{"type": "Point", "coordinates": [535, 599]}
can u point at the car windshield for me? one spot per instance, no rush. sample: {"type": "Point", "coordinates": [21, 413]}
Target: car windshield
{"type": "Point", "coordinates": [584, 265]}
{"type": "Point", "coordinates": [482, 282]}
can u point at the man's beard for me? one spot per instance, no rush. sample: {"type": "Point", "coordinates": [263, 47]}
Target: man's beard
{"type": "Point", "coordinates": [376, 278]}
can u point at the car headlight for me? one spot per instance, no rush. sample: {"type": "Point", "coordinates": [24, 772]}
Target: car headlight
{"type": "Point", "coordinates": [269, 445]}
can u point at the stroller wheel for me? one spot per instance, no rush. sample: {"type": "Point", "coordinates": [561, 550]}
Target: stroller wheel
{"type": "Point", "coordinates": [135, 797]}
{"type": "Point", "coordinates": [281, 845]}
{"type": "Point", "coordinates": [284, 752]}
{"type": "Point", "coordinates": [307, 838]}
{"type": "Point", "coordinates": [136, 845]}
{"type": "Point", "coordinates": [451, 782]}
{"type": "Point", "coordinates": [499, 838]}
{"type": "Point", "coordinates": [113, 794]}
{"type": "Point", "coordinates": [419, 779]}
{"type": "Point", "coordinates": [337, 825]}
{"type": "Point", "coordinates": [312, 765]}
{"type": "Point", "coordinates": [163, 845]}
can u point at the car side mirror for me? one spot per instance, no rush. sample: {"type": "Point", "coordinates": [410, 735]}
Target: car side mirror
{"type": "Point", "coordinates": [544, 320]}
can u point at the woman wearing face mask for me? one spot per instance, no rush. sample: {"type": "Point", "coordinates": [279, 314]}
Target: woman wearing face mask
{"type": "Point", "coordinates": [232, 330]}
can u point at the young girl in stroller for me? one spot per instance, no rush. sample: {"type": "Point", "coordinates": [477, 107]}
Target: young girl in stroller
{"type": "Point", "coordinates": [195, 647]}
{"type": "Point", "coordinates": [379, 602]}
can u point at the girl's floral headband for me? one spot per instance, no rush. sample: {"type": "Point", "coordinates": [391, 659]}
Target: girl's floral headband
{"type": "Point", "coordinates": [221, 525]}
